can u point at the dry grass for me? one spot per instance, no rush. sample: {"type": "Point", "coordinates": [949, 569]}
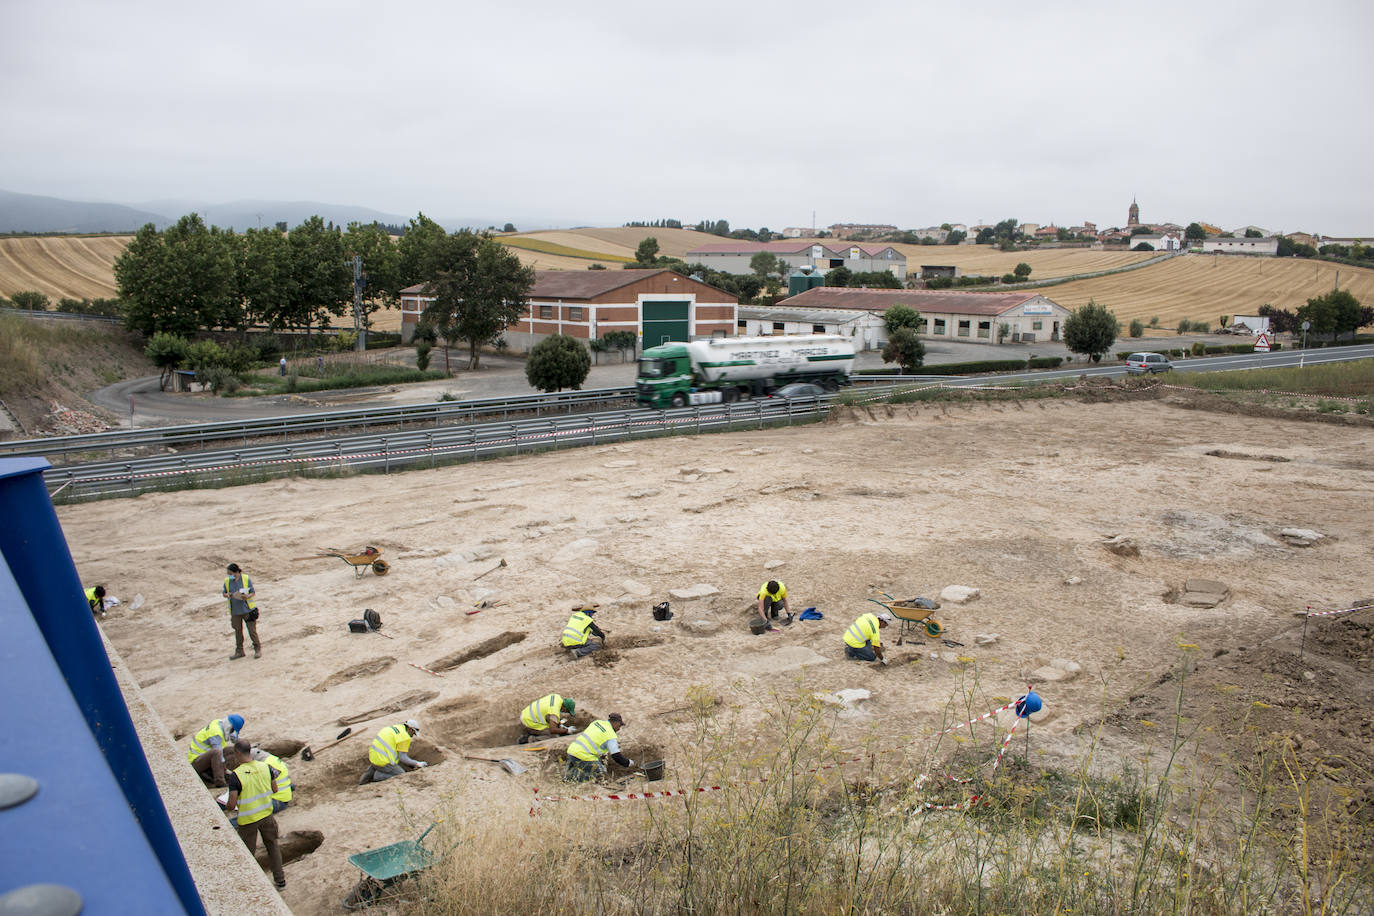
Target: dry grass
{"type": "Point", "coordinates": [60, 266]}
{"type": "Point", "coordinates": [546, 246]}
{"type": "Point", "coordinates": [989, 261]}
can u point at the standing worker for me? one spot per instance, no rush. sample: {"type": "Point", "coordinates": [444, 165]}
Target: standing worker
{"type": "Point", "coordinates": [206, 753]}
{"type": "Point", "coordinates": [772, 596]}
{"type": "Point", "coordinates": [387, 756]}
{"type": "Point", "coordinates": [861, 640]}
{"type": "Point", "coordinates": [575, 634]}
{"type": "Point", "coordinates": [251, 787]}
{"type": "Point", "coordinates": [95, 597]}
{"type": "Point", "coordinates": [281, 798]}
{"type": "Point", "coordinates": [587, 753]}
{"type": "Point", "coordinates": [283, 367]}
{"type": "Point", "coordinates": [238, 588]}
{"type": "Point", "coordinates": [544, 717]}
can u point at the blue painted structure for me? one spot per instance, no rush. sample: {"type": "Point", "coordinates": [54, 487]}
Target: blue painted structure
{"type": "Point", "coordinates": [97, 824]}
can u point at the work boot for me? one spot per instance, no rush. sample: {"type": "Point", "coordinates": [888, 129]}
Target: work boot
{"type": "Point", "coordinates": [257, 652]}
{"type": "Point", "coordinates": [238, 653]}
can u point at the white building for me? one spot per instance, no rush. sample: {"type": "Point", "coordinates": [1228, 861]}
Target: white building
{"type": "Point", "coordinates": [734, 257]}
{"type": "Point", "coordinates": [1266, 246]}
{"type": "Point", "coordinates": [1166, 242]}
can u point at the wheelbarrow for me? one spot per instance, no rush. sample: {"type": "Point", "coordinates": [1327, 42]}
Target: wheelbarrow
{"type": "Point", "coordinates": [387, 866]}
{"type": "Point", "coordinates": [368, 556]}
{"type": "Point", "coordinates": [915, 615]}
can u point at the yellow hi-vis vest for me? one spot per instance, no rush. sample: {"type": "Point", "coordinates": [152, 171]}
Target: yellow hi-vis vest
{"type": "Point", "coordinates": [863, 630]}
{"type": "Point", "coordinates": [283, 793]}
{"type": "Point", "coordinates": [255, 796]}
{"type": "Point", "coordinates": [247, 586]}
{"type": "Point", "coordinates": [575, 633]}
{"type": "Point", "coordinates": [536, 715]}
{"type": "Point", "coordinates": [97, 604]}
{"type": "Point", "coordinates": [591, 744]}
{"type": "Point", "coordinates": [218, 728]}
{"type": "Point", "coordinates": [765, 593]}
{"type": "Point", "coordinates": [389, 743]}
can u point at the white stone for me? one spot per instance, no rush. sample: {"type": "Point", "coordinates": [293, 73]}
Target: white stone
{"type": "Point", "coordinates": [1302, 534]}
{"type": "Point", "coordinates": [631, 587]}
{"type": "Point", "coordinates": [715, 471]}
{"type": "Point", "coordinates": [479, 553]}
{"type": "Point", "coordinates": [576, 550]}
{"type": "Point", "coordinates": [774, 564]}
{"type": "Point", "coordinates": [502, 485]}
{"type": "Point", "coordinates": [1049, 674]}
{"type": "Point", "coordinates": [852, 696]}
{"type": "Point", "coordinates": [622, 463]}
{"type": "Point", "coordinates": [700, 590]}
{"type": "Point", "coordinates": [1065, 665]}
{"type": "Point", "coordinates": [702, 626]}
{"type": "Point", "coordinates": [1074, 580]}
{"type": "Point", "coordinates": [959, 594]}
{"type": "Point", "coordinates": [445, 602]}
{"type": "Point", "coordinates": [643, 494]}
{"type": "Point", "coordinates": [446, 562]}
{"type": "Point", "coordinates": [986, 639]}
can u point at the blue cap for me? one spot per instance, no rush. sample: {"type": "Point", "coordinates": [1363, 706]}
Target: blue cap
{"type": "Point", "coordinates": [235, 721]}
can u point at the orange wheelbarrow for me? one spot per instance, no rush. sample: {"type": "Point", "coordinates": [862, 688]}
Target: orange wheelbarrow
{"type": "Point", "coordinates": [368, 556]}
{"type": "Point", "coordinates": [915, 615]}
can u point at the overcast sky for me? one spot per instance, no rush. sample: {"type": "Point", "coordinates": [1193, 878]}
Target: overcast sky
{"type": "Point", "coordinates": [759, 113]}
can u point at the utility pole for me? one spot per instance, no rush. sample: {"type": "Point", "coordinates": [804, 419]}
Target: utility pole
{"type": "Point", "coordinates": [359, 326]}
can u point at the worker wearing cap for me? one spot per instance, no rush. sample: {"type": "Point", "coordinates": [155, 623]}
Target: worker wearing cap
{"type": "Point", "coordinates": [95, 597]}
{"type": "Point", "coordinates": [544, 717]}
{"type": "Point", "coordinates": [252, 783]}
{"type": "Point", "coordinates": [588, 751]}
{"type": "Point", "coordinates": [238, 589]}
{"type": "Point", "coordinates": [861, 640]}
{"type": "Point", "coordinates": [282, 796]}
{"type": "Point", "coordinates": [387, 756]}
{"type": "Point", "coordinates": [576, 635]}
{"type": "Point", "coordinates": [206, 752]}
{"type": "Point", "coordinates": [773, 596]}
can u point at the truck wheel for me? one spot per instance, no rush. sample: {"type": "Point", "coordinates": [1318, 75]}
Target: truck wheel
{"type": "Point", "coordinates": [679, 400]}
{"type": "Point", "coordinates": [730, 395]}
{"type": "Point", "coordinates": [830, 385]}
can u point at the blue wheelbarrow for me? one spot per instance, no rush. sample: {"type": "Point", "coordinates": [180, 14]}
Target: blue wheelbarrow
{"type": "Point", "coordinates": [385, 867]}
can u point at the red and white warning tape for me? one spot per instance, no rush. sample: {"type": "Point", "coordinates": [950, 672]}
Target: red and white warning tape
{"type": "Point", "coordinates": [1344, 610]}
{"type": "Point", "coordinates": [975, 798]}
{"type": "Point", "coordinates": [426, 670]}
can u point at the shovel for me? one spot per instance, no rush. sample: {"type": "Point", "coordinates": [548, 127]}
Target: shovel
{"type": "Point", "coordinates": [492, 570]}
{"type": "Point", "coordinates": [510, 765]}
{"type": "Point", "coordinates": [308, 754]}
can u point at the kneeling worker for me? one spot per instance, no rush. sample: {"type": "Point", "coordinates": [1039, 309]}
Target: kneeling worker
{"type": "Point", "coordinates": [95, 597]}
{"type": "Point", "coordinates": [861, 640]}
{"type": "Point", "coordinates": [282, 796]}
{"type": "Point", "coordinates": [544, 717]}
{"type": "Point", "coordinates": [251, 786]}
{"type": "Point", "coordinates": [206, 752]}
{"type": "Point", "coordinates": [575, 634]}
{"type": "Point", "coordinates": [387, 756]}
{"type": "Point", "coordinates": [587, 753]}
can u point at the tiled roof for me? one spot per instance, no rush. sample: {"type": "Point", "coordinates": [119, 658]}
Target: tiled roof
{"type": "Point", "coordinates": [577, 284]}
{"type": "Point", "coordinates": [932, 301]}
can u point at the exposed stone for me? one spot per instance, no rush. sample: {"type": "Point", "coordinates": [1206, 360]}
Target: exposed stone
{"type": "Point", "coordinates": [1048, 674]}
{"type": "Point", "coordinates": [501, 485]}
{"type": "Point", "coordinates": [1074, 580]}
{"type": "Point", "coordinates": [1204, 593]}
{"type": "Point", "coordinates": [643, 494]}
{"type": "Point", "coordinates": [849, 697]}
{"type": "Point", "coordinates": [774, 564]}
{"type": "Point", "coordinates": [1122, 546]}
{"type": "Point", "coordinates": [576, 550]}
{"type": "Point", "coordinates": [622, 463]}
{"type": "Point", "coordinates": [445, 562]}
{"type": "Point", "coordinates": [700, 590]}
{"type": "Point", "coordinates": [478, 554]}
{"type": "Point", "coordinates": [959, 594]}
{"type": "Point", "coordinates": [1065, 665]}
{"type": "Point", "coordinates": [639, 589]}
{"type": "Point", "coordinates": [1301, 534]}
{"type": "Point", "coordinates": [445, 602]}
{"type": "Point", "coordinates": [986, 639]}
{"type": "Point", "coordinates": [701, 626]}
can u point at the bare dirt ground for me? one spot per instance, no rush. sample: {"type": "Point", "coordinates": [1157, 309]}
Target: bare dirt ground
{"type": "Point", "coordinates": [1014, 499]}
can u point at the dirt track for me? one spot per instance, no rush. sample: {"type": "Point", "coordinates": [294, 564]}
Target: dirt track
{"type": "Point", "coordinates": [1013, 499]}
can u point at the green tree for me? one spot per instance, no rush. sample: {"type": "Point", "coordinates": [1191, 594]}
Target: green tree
{"type": "Point", "coordinates": [620, 340]}
{"type": "Point", "coordinates": [1091, 330]}
{"type": "Point", "coordinates": [1195, 232]}
{"type": "Point", "coordinates": [180, 280]}
{"type": "Point", "coordinates": [1253, 234]}
{"type": "Point", "coordinates": [381, 263]}
{"type": "Point", "coordinates": [167, 352]}
{"type": "Point", "coordinates": [901, 316]}
{"type": "Point", "coordinates": [30, 299]}
{"type": "Point", "coordinates": [904, 347]}
{"type": "Point", "coordinates": [874, 279]}
{"type": "Point", "coordinates": [839, 276]}
{"type": "Point", "coordinates": [321, 277]}
{"type": "Point", "coordinates": [956, 237]}
{"type": "Point", "coordinates": [480, 289]}
{"type": "Point", "coordinates": [1142, 246]}
{"type": "Point", "coordinates": [986, 236]}
{"type": "Point", "coordinates": [508, 227]}
{"type": "Point", "coordinates": [1022, 271]}
{"type": "Point", "coordinates": [1137, 328]}
{"type": "Point", "coordinates": [418, 250]}
{"type": "Point", "coordinates": [647, 252]}
{"type": "Point", "coordinates": [558, 362]}
{"type": "Point", "coordinates": [262, 275]}
{"type": "Point", "coordinates": [765, 263]}
{"type": "Point", "coordinates": [1335, 313]}
{"type": "Point", "coordinates": [1183, 326]}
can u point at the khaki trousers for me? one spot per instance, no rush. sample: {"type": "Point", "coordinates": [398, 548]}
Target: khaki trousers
{"type": "Point", "coordinates": [267, 827]}
{"type": "Point", "coordinates": [238, 620]}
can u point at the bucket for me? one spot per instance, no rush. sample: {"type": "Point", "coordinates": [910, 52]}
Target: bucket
{"type": "Point", "coordinates": [661, 611]}
{"type": "Point", "coordinates": [653, 771]}
{"type": "Point", "coordinates": [757, 625]}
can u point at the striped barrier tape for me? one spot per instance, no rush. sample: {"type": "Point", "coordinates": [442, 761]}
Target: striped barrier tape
{"type": "Point", "coordinates": [1344, 610]}
{"type": "Point", "coordinates": [424, 669]}
{"type": "Point", "coordinates": [1287, 394]}
{"type": "Point", "coordinates": [696, 790]}
{"type": "Point", "coordinates": [975, 798]}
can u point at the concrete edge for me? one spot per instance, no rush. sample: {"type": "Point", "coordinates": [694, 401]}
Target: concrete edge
{"type": "Point", "coordinates": [229, 880]}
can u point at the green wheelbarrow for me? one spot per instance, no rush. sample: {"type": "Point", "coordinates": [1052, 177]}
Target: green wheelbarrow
{"type": "Point", "coordinates": [385, 867]}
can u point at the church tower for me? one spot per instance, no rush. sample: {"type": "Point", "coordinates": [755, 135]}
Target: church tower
{"type": "Point", "coordinates": [1133, 215]}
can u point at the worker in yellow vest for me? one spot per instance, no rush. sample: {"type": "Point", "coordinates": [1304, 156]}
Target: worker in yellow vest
{"type": "Point", "coordinates": [772, 596]}
{"type": "Point", "coordinates": [861, 640]}
{"type": "Point", "coordinates": [282, 797]}
{"type": "Point", "coordinates": [251, 786]}
{"type": "Point", "coordinates": [243, 610]}
{"type": "Point", "coordinates": [544, 717]}
{"type": "Point", "coordinates": [387, 756]}
{"type": "Point", "coordinates": [588, 752]}
{"type": "Point", "coordinates": [577, 634]}
{"type": "Point", "coordinates": [95, 597]}
{"type": "Point", "coordinates": [206, 752]}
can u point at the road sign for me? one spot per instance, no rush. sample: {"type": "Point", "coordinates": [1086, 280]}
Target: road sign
{"type": "Point", "coordinates": [1262, 343]}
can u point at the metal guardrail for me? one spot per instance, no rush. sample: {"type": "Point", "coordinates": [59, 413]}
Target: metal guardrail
{"type": "Point", "coordinates": [65, 316]}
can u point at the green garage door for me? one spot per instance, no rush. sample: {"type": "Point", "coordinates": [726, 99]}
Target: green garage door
{"type": "Point", "coordinates": [665, 321]}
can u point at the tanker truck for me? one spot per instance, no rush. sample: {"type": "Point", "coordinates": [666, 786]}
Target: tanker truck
{"type": "Point", "coordinates": [723, 369]}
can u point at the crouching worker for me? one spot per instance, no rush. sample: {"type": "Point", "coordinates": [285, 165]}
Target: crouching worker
{"type": "Point", "coordinates": [861, 640]}
{"type": "Point", "coordinates": [544, 718]}
{"type": "Point", "coordinates": [282, 796]}
{"type": "Point", "coordinates": [251, 786]}
{"type": "Point", "coordinates": [387, 756]}
{"type": "Point", "coordinates": [206, 752]}
{"type": "Point", "coordinates": [588, 751]}
{"type": "Point", "coordinates": [576, 635]}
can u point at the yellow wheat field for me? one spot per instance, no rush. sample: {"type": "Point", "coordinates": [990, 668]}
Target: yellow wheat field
{"type": "Point", "coordinates": [1045, 263]}
{"type": "Point", "coordinates": [60, 266]}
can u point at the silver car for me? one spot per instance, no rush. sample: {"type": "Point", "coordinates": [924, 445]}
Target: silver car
{"type": "Point", "coordinates": [1141, 363]}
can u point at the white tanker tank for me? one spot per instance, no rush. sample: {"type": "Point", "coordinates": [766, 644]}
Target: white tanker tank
{"type": "Point", "coordinates": [724, 368]}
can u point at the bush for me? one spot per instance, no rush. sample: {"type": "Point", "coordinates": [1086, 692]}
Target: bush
{"type": "Point", "coordinates": [558, 362]}
{"type": "Point", "coordinates": [30, 299]}
{"type": "Point", "coordinates": [1184, 326]}
{"type": "Point", "coordinates": [1008, 278]}
{"type": "Point", "coordinates": [422, 350]}
{"type": "Point", "coordinates": [344, 341]}
{"type": "Point", "coordinates": [1154, 321]}
{"type": "Point", "coordinates": [1199, 348]}
{"type": "Point", "coordinates": [1137, 328]}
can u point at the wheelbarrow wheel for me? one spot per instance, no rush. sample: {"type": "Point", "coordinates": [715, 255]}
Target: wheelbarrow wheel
{"type": "Point", "coordinates": [380, 567]}
{"type": "Point", "coordinates": [933, 628]}
{"type": "Point", "coordinates": [364, 894]}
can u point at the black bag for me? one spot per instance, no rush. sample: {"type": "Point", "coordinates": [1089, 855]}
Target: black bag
{"type": "Point", "coordinates": [373, 619]}
{"type": "Point", "coordinates": [661, 611]}
{"type": "Point", "coordinates": [357, 626]}
{"type": "Point", "coordinates": [253, 614]}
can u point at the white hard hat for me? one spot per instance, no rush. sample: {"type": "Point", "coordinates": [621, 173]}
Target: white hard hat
{"type": "Point", "coordinates": [412, 724]}
{"type": "Point", "coordinates": [884, 615]}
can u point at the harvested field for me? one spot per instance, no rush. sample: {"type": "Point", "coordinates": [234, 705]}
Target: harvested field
{"type": "Point", "coordinates": [75, 267]}
{"type": "Point", "coordinates": [1014, 499]}
{"type": "Point", "coordinates": [987, 260]}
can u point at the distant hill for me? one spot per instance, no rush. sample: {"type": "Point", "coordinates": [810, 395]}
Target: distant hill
{"type": "Point", "coordinates": [32, 213]}
{"type": "Point", "coordinates": [240, 215]}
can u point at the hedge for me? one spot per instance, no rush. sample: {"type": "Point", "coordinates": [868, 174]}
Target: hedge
{"type": "Point", "coordinates": [1214, 348]}
{"type": "Point", "coordinates": [990, 365]}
